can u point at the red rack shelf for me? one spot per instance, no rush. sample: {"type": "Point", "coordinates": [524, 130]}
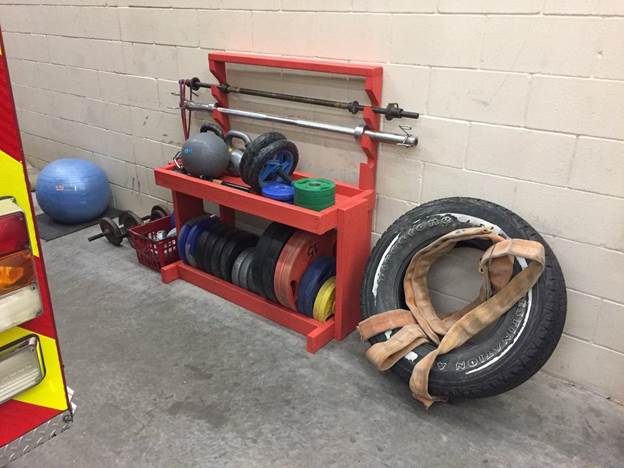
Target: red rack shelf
{"type": "Point", "coordinates": [317, 333]}
{"type": "Point", "coordinates": [351, 216]}
{"type": "Point", "coordinates": [318, 222]}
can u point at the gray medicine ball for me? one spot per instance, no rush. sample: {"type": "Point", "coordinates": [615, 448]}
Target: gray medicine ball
{"type": "Point", "coordinates": [205, 154]}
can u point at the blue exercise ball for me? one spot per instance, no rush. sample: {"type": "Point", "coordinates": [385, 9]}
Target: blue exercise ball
{"type": "Point", "coordinates": [72, 191]}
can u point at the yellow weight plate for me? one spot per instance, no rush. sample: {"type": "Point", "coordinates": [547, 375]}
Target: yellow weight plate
{"type": "Point", "coordinates": [325, 301]}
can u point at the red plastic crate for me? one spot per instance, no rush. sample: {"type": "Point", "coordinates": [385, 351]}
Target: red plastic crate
{"type": "Point", "coordinates": [150, 252]}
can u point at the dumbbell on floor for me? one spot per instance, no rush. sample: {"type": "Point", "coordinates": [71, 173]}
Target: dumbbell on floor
{"type": "Point", "coordinates": [116, 233]}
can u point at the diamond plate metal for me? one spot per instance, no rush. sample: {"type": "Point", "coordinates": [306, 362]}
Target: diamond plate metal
{"type": "Point", "coordinates": [37, 436]}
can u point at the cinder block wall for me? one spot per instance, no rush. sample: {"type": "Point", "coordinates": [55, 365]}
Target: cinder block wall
{"type": "Point", "coordinates": [522, 103]}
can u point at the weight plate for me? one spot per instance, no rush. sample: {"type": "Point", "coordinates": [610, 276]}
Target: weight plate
{"type": "Point", "coordinates": [235, 274]}
{"type": "Point", "coordinates": [158, 211]}
{"type": "Point", "coordinates": [309, 185]}
{"type": "Point", "coordinates": [184, 231]}
{"type": "Point", "coordinates": [240, 241]}
{"type": "Point", "coordinates": [111, 231]}
{"type": "Point", "coordinates": [279, 191]}
{"type": "Point", "coordinates": [325, 302]}
{"type": "Point", "coordinates": [243, 272]}
{"type": "Point", "coordinates": [252, 149]}
{"type": "Point", "coordinates": [215, 234]}
{"type": "Point", "coordinates": [300, 250]}
{"type": "Point", "coordinates": [200, 246]}
{"type": "Point", "coordinates": [315, 198]}
{"type": "Point", "coordinates": [215, 256]}
{"type": "Point", "coordinates": [315, 194]}
{"type": "Point", "coordinates": [268, 251]}
{"type": "Point", "coordinates": [181, 239]}
{"type": "Point", "coordinates": [129, 219]}
{"type": "Point", "coordinates": [319, 271]}
{"type": "Point", "coordinates": [272, 163]}
{"type": "Point", "coordinates": [246, 273]}
{"type": "Point", "coordinates": [191, 238]}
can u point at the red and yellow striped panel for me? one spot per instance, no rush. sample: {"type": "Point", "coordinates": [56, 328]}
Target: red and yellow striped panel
{"type": "Point", "coordinates": [49, 398]}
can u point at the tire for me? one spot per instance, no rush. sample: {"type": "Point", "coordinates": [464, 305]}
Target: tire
{"type": "Point", "coordinates": [512, 349]}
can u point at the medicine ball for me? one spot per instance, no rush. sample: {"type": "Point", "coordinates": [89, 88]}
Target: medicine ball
{"type": "Point", "coordinates": [205, 154]}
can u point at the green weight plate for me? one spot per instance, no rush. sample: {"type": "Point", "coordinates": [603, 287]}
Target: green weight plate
{"type": "Point", "coordinates": [318, 202]}
{"type": "Point", "coordinates": [314, 185]}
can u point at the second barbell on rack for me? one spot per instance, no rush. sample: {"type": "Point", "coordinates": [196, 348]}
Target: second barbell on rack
{"type": "Point", "coordinates": [405, 139]}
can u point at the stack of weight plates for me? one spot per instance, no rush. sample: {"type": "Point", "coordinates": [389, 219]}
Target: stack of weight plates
{"type": "Point", "coordinates": [294, 268]}
{"type": "Point", "coordinates": [298, 253]}
{"type": "Point", "coordinates": [267, 253]}
{"type": "Point", "coordinates": [316, 294]}
{"type": "Point", "coordinates": [209, 244]}
{"type": "Point", "coordinates": [315, 194]}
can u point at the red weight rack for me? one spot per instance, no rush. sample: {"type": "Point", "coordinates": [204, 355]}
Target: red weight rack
{"type": "Point", "coordinates": [351, 216]}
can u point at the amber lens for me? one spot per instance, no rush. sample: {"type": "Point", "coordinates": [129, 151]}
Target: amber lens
{"type": "Point", "coordinates": [16, 271]}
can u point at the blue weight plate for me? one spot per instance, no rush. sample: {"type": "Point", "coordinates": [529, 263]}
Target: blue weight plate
{"type": "Point", "coordinates": [319, 271]}
{"type": "Point", "coordinates": [184, 231]}
{"type": "Point", "coordinates": [279, 191]}
{"type": "Point", "coordinates": [191, 239]}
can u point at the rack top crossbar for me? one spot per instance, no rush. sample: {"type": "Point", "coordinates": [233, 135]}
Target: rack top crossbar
{"type": "Point", "coordinates": [346, 68]}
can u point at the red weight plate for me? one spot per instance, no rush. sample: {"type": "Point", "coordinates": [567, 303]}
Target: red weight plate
{"type": "Point", "coordinates": [300, 250]}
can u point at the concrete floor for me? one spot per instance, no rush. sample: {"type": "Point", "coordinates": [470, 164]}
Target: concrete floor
{"type": "Point", "coordinates": [169, 375]}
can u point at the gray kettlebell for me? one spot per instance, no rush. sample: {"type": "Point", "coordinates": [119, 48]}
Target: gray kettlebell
{"type": "Point", "coordinates": [205, 154]}
{"type": "Point", "coordinates": [236, 154]}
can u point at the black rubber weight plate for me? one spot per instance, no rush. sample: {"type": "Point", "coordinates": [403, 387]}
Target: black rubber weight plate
{"type": "Point", "coordinates": [240, 241]}
{"type": "Point", "coordinates": [200, 246]}
{"type": "Point", "coordinates": [268, 251]}
{"type": "Point", "coordinates": [252, 150]}
{"type": "Point", "coordinates": [509, 351]}
{"type": "Point", "coordinates": [210, 243]}
{"type": "Point", "coordinates": [217, 251]}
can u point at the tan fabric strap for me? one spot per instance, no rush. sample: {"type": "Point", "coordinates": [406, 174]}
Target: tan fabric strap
{"type": "Point", "coordinates": [383, 322]}
{"type": "Point", "coordinates": [423, 323]}
{"type": "Point", "coordinates": [386, 354]}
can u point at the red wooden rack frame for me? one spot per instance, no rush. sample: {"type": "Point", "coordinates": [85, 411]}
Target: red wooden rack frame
{"type": "Point", "coordinates": [351, 216]}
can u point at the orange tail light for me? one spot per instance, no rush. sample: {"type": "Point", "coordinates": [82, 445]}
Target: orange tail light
{"type": "Point", "coordinates": [16, 271]}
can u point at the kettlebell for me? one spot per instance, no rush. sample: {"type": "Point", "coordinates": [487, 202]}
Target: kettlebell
{"type": "Point", "coordinates": [205, 154]}
{"type": "Point", "coordinates": [236, 154]}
